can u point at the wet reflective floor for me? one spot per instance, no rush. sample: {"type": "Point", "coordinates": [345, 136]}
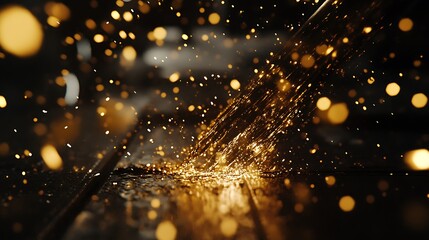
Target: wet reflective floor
{"type": "Point", "coordinates": [136, 203]}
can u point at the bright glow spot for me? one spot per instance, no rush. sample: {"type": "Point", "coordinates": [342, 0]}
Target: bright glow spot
{"type": "Point", "coordinates": [191, 108]}
{"type": "Point", "coordinates": [115, 15]}
{"type": "Point", "coordinates": [98, 38]}
{"type": "Point", "coordinates": [324, 49]}
{"type": "Point", "coordinates": [90, 24]}
{"type": "Point", "coordinates": [57, 10]}
{"type": "Point", "coordinates": [338, 113]}
{"type": "Point", "coordinates": [283, 85]}
{"type": "Point", "coordinates": [51, 157]}
{"type": "Point", "coordinates": [127, 16]}
{"type": "Point", "coordinates": [367, 30]}
{"type": "Point", "coordinates": [294, 56]}
{"type": "Point", "coordinates": [122, 34]}
{"type": "Point", "coordinates": [392, 89]}
{"type": "Point", "coordinates": [102, 111]}
{"type": "Point", "coordinates": [174, 77]}
{"type": "Point", "coordinates": [53, 21]}
{"type": "Point", "coordinates": [166, 231]}
{"type": "Point", "coordinates": [151, 214]}
{"type": "Point", "coordinates": [347, 203]}
{"type": "Point", "coordinates": [235, 84]}
{"type": "Point", "coordinates": [176, 90]}
{"type": "Point", "coordinates": [214, 18]}
{"type": "Point", "coordinates": [323, 103]}
{"type": "Point", "coordinates": [20, 32]}
{"type": "Point", "coordinates": [228, 227]}
{"type": "Point", "coordinates": [330, 180]}
{"type": "Point", "coordinates": [417, 159]}
{"type": "Point", "coordinates": [160, 33]}
{"type": "Point", "coordinates": [307, 61]}
{"type": "Point", "coordinates": [155, 203]}
{"type": "Point", "coordinates": [405, 24]}
{"type": "Point", "coordinates": [419, 100]}
{"type": "Point", "coordinates": [129, 53]}
{"type": "Point", "coordinates": [72, 89]}
{"type": "Point", "coordinates": [205, 37]}
{"type": "Point", "coordinates": [185, 37]}
{"type": "Point", "coordinates": [3, 102]}
{"type": "Point", "coordinates": [345, 40]}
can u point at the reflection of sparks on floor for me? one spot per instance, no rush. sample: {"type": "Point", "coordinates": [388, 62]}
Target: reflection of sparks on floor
{"type": "Point", "coordinates": [176, 206]}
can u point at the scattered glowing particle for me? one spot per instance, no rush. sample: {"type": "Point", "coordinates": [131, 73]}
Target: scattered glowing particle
{"type": "Point", "coordinates": [51, 157]}
{"type": "Point", "coordinates": [174, 77]}
{"type": "Point", "coordinates": [132, 35]}
{"type": "Point", "coordinates": [185, 37]}
{"type": "Point", "coordinates": [3, 102]}
{"type": "Point", "coordinates": [417, 63]}
{"type": "Point", "coordinates": [152, 215]}
{"type": "Point", "coordinates": [235, 84]}
{"type": "Point", "coordinates": [405, 24]}
{"type": "Point", "coordinates": [347, 203]}
{"type": "Point", "coordinates": [127, 16]}
{"type": "Point", "coordinates": [321, 49]}
{"type": "Point", "coordinates": [338, 113]}
{"type": "Point", "coordinates": [98, 38]}
{"type": "Point", "coordinates": [166, 231]}
{"type": "Point", "coordinates": [108, 52]}
{"type": "Point", "coordinates": [214, 18]}
{"type": "Point", "coordinates": [283, 85]}
{"type": "Point", "coordinates": [69, 40]}
{"type": "Point", "coordinates": [345, 40]}
{"type": "Point", "coordinates": [299, 207]}
{"type": "Point", "coordinates": [58, 10]}
{"type": "Point", "coordinates": [99, 87]}
{"type": "Point", "coordinates": [159, 33]}
{"type": "Point", "coordinates": [53, 21]}
{"type": "Point", "coordinates": [155, 203]}
{"type": "Point", "coordinates": [205, 37]}
{"type": "Point", "coordinates": [115, 15]}
{"type": "Point", "coordinates": [119, 106]}
{"type": "Point", "coordinates": [330, 180]}
{"type": "Point", "coordinates": [102, 111]}
{"type": "Point", "coordinates": [419, 100]}
{"type": "Point", "coordinates": [90, 24]}
{"type": "Point", "coordinates": [417, 159]}
{"type": "Point", "coordinates": [122, 34]}
{"type": "Point", "coordinates": [119, 3]}
{"type": "Point", "coordinates": [367, 30]}
{"type": "Point", "coordinates": [307, 61]}
{"type": "Point", "coordinates": [287, 183]}
{"type": "Point", "coordinates": [176, 90]}
{"type": "Point", "coordinates": [294, 56]}
{"type": "Point", "coordinates": [21, 34]}
{"type": "Point", "coordinates": [371, 80]}
{"type": "Point", "coordinates": [4, 148]}
{"type": "Point", "coordinates": [228, 226]}
{"type": "Point", "coordinates": [191, 108]}
{"type": "Point", "coordinates": [129, 53]}
{"type": "Point", "coordinates": [323, 103]}
{"type": "Point", "coordinates": [144, 7]}
{"type": "Point", "coordinates": [392, 89]}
